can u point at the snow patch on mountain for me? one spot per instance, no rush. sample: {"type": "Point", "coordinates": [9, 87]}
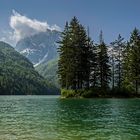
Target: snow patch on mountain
{"type": "Point", "coordinates": [40, 47]}
{"type": "Point", "coordinates": [27, 52]}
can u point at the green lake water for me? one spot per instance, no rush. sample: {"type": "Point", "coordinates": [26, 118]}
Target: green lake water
{"type": "Point", "coordinates": [52, 118]}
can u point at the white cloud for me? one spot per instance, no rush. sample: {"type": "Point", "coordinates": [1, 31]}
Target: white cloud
{"type": "Point", "coordinates": [7, 36]}
{"type": "Point", "coordinates": [22, 27]}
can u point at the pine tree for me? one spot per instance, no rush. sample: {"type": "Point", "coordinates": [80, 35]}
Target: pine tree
{"type": "Point", "coordinates": [127, 82]}
{"type": "Point", "coordinates": [103, 62]}
{"type": "Point", "coordinates": [135, 58]}
{"type": "Point", "coordinates": [117, 70]}
{"type": "Point", "coordinates": [74, 62]}
{"type": "Point", "coordinates": [63, 63]}
{"type": "Point", "coordinates": [87, 60]}
{"type": "Point", "coordinates": [78, 39]}
{"type": "Point", "coordinates": [112, 62]}
{"type": "Point", "coordinates": [93, 65]}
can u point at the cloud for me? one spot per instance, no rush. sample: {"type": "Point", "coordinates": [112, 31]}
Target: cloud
{"type": "Point", "coordinates": [7, 36]}
{"type": "Point", "coordinates": [22, 27]}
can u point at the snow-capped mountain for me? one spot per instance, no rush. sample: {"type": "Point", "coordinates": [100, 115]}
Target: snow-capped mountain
{"type": "Point", "coordinates": [40, 47]}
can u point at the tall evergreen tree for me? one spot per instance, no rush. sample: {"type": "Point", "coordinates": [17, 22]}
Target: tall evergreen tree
{"type": "Point", "coordinates": [78, 38]}
{"type": "Point", "coordinates": [135, 58]}
{"type": "Point", "coordinates": [112, 62]}
{"type": "Point", "coordinates": [127, 72]}
{"type": "Point", "coordinates": [63, 63]}
{"type": "Point", "coordinates": [103, 62]}
{"type": "Point", "coordinates": [117, 70]}
{"type": "Point", "coordinates": [93, 65]}
{"type": "Point", "coordinates": [74, 62]}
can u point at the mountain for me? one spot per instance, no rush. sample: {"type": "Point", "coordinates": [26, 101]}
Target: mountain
{"type": "Point", "coordinates": [17, 74]}
{"type": "Point", "coordinates": [40, 47]}
{"type": "Point", "coordinates": [41, 50]}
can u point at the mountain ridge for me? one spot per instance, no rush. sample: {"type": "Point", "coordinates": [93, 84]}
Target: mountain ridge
{"type": "Point", "coordinates": [18, 76]}
{"type": "Point", "coordinates": [39, 47]}
{"type": "Point", "coordinates": [42, 50]}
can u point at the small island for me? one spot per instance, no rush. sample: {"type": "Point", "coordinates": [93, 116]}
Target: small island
{"type": "Point", "coordinates": [88, 70]}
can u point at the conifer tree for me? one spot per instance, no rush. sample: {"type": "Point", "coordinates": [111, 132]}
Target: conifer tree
{"type": "Point", "coordinates": [127, 72]}
{"type": "Point", "coordinates": [103, 62]}
{"type": "Point", "coordinates": [93, 65]}
{"type": "Point", "coordinates": [74, 62]}
{"type": "Point", "coordinates": [135, 58]}
{"type": "Point", "coordinates": [63, 66]}
{"type": "Point", "coordinates": [112, 62]}
{"type": "Point", "coordinates": [118, 46]}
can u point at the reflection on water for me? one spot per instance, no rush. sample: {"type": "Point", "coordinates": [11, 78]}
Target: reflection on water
{"type": "Point", "coordinates": [51, 118]}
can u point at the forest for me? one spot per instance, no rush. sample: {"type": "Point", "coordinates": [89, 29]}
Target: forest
{"type": "Point", "coordinates": [18, 76]}
{"type": "Point", "coordinates": [87, 69]}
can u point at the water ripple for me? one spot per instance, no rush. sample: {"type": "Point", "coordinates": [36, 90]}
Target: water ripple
{"type": "Point", "coordinates": [50, 118]}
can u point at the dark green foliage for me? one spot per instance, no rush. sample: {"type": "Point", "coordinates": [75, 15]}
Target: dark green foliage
{"type": "Point", "coordinates": [86, 70]}
{"type": "Point", "coordinates": [17, 75]}
{"type": "Point", "coordinates": [132, 62]}
{"type": "Point", "coordinates": [118, 47]}
{"type": "Point", "coordinates": [104, 72]}
{"type": "Point", "coordinates": [80, 93]}
{"type": "Point", "coordinates": [82, 65]}
{"type": "Point", "coordinates": [74, 62]}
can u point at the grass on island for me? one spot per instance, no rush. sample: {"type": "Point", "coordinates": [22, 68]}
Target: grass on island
{"type": "Point", "coordinates": [97, 93]}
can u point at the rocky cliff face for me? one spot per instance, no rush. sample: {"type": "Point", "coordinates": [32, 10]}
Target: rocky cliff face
{"type": "Point", "coordinates": [39, 48]}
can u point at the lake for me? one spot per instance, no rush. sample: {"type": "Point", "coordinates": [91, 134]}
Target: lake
{"type": "Point", "coordinates": [52, 118]}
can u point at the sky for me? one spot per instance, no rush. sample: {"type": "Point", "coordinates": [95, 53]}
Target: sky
{"type": "Point", "coordinates": [21, 18]}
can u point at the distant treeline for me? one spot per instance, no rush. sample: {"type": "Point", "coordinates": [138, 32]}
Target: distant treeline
{"type": "Point", "coordinates": [89, 70]}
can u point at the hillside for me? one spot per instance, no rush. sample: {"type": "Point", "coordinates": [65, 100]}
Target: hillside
{"type": "Point", "coordinates": [49, 71]}
{"type": "Point", "coordinates": [17, 74]}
